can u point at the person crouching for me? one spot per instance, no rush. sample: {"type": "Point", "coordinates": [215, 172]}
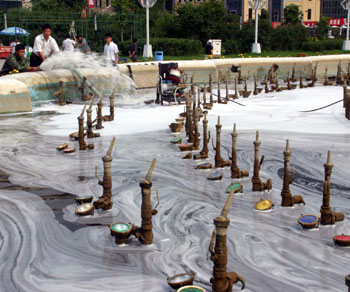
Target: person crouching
{"type": "Point", "coordinates": [16, 62]}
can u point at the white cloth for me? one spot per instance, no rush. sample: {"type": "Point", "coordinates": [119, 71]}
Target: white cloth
{"type": "Point", "coordinates": [111, 50]}
{"type": "Point", "coordinates": [13, 46]}
{"type": "Point", "coordinates": [68, 45]}
{"type": "Point", "coordinates": [45, 47]}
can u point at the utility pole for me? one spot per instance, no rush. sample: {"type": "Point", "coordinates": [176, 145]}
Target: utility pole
{"type": "Point", "coordinates": [257, 5]}
{"type": "Point", "coordinates": [147, 49]}
{"type": "Point", "coordinates": [346, 5]}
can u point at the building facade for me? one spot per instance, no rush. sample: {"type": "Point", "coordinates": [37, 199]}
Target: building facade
{"type": "Point", "coordinates": [102, 6]}
{"type": "Point", "coordinates": [311, 9]}
{"type": "Point", "coordinates": [333, 9]}
{"type": "Point", "coordinates": [7, 4]}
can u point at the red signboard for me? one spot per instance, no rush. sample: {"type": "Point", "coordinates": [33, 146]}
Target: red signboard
{"type": "Point", "coordinates": [275, 24]}
{"type": "Point", "coordinates": [310, 23]}
{"type": "Point", "coordinates": [91, 3]}
{"type": "Point", "coordinates": [337, 21]}
{"type": "Point", "coordinates": [5, 52]}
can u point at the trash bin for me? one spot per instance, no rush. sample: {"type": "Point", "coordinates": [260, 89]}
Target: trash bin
{"type": "Point", "coordinates": [158, 55]}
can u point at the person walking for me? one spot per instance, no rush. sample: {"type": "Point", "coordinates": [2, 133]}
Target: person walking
{"type": "Point", "coordinates": [68, 44]}
{"type": "Point", "coordinates": [133, 51]}
{"type": "Point", "coordinates": [111, 50]}
{"type": "Point", "coordinates": [16, 62]}
{"type": "Point", "coordinates": [44, 46]}
{"type": "Point", "coordinates": [208, 50]}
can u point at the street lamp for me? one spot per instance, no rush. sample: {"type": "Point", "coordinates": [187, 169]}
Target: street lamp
{"type": "Point", "coordinates": [147, 49]}
{"type": "Point", "coordinates": [257, 5]}
{"type": "Point", "coordinates": [346, 5]}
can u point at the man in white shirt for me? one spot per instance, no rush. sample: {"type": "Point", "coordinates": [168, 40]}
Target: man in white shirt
{"type": "Point", "coordinates": [111, 50]}
{"type": "Point", "coordinates": [68, 44]}
{"type": "Point", "coordinates": [44, 46]}
{"type": "Point", "coordinates": [14, 44]}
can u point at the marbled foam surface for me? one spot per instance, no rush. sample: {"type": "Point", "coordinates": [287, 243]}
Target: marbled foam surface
{"type": "Point", "coordinates": [42, 251]}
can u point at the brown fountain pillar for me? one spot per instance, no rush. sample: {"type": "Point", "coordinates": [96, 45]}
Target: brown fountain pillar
{"type": "Point", "coordinates": [105, 201]}
{"type": "Point", "coordinates": [258, 185]}
{"type": "Point", "coordinates": [90, 133]}
{"type": "Point", "coordinates": [205, 96]}
{"type": "Point", "coordinates": [347, 282]}
{"type": "Point", "coordinates": [219, 162]}
{"type": "Point", "coordinates": [188, 106]}
{"type": "Point", "coordinates": [266, 85]}
{"type": "Point", "coordinates": [255, 92]}
{"type": "Point", "coordinates": [219, 92]}
{"type": "Point", "coordinates": [99, 114]}
{"type": "Point", "coordinates": [82, 143]}
{"type": "Point", "coordinates": [289, 86]}
{"type": "Point", "coordinates": [287, 199]}
{"type": "Point", "coordinates": [246, 93]}
{"type": "Point", "coordinates": [339, 75]}
{"type": "Point", "coordinates": [301, 85]}
{"type": "Point", "coordinates": [326, 81]}
{"type": "Point", "coordinates": [293, 73]}
{"type": "Point", "coordinates": [312, 83]}
{"type": "Point", "coordinates": [235, 171]}
{"type": "Point", "coordinates": [145, 233]}
{"type": "Point", "coordinates": [256, 178]}
{"type": "Point", "coordinates": [111, 109]}
{"type": "Point", "coordinates": [59, 94]}
{"type": "Point", "coordinates": [206, 138]}
{"type": "Point", "coordinates": [227, 97]}
{"type": "Point", "coordinates": [315, 71]}
{"type": "Point", "coordinates": [196, 131]}
{"type": "Point", "coordinates": [236, 89]}
{"type": "Point", "coordinates": [222, 281]}
{"type": "Point", "coordinates": [327, 215]}
{"type": "Point", "coordinates": [190, 126]}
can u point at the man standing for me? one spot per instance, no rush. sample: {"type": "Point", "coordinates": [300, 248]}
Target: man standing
{"type": "Point", "coordinates": [111, 50]}
{"type": "Point", "coordinates": [208, 50]}
{"type": "Point", "coordinates": [16, 62]}
{"type": "Point", "coordinates": [44, 46]}
{"type": "Point", "coordinates": [68, 44]}
{"type": "Point", "coordinates": [83, 45]}
{"type": "Point", "coordinates": [133, 51]}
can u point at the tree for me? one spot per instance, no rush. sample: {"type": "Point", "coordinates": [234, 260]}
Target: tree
{"type": "Point", "coordinates": [323, 27]}
{"type": "Point", "coordinates": [59, 5]}
{"type": "Point", "coordinates": [203, 22]}
{"type": "Point", "coordinates": [126, 6]}
{"type": "Point", "coordinates": [292, 14]}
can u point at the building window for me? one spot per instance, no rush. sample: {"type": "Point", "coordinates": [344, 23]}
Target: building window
{"type": "Point", "coordinates": [309, 14]}
{"type": "Point", "coordinates": [276, 15]}
{"type": "Point", "coordinates": [107, 3]}
{"type": "Point", "coordinates": [250, 13]}
{"type": "Point", "coordinates": [233, 11]}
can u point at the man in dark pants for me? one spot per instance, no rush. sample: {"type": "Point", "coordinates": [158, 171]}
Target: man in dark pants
{"type": "Point", "coordinates": [44, 46]}
{"type": "Point", "coordinates": [133, 51]}
{"type": "Point", "coordinates": [16, 62]}
{"type": "Point", "coordinates": [208, 50]}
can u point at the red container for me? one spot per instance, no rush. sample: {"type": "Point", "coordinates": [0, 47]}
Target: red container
{"type": "Point", "coordinates": [5, 52]}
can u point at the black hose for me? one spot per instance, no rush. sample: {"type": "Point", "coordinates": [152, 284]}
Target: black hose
{"type": "Point", "coordinates": [231, 100]}
{"type": "Point", "coordinates": [321, 107]}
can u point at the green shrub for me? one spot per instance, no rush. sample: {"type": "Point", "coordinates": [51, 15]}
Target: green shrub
{"type": "Point", "coordinates": [170, 46]}
{"type": "Point", "coordinates": [317, 46]}
{"type": "Point", "coordinates": [230, 47]}
{"type": "Point", "coordinates": [289, 37]}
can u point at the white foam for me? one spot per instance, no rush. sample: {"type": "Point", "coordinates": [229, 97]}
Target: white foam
{"type": "Point", "coordinates": [273, 111]}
